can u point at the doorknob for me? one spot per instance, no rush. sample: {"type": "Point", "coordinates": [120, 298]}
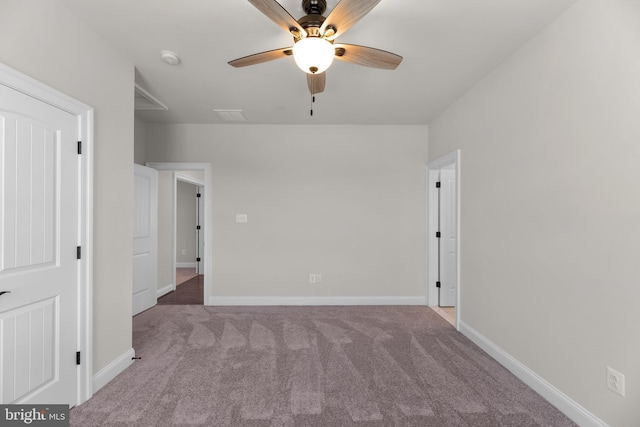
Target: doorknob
{"type": "Point", "coordinates": [5, 292]}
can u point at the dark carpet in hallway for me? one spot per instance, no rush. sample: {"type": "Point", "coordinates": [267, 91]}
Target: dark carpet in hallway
{"type": "Point", "coordinates": [189, 292]}
{"type": "Point", "coordinates": [310, 366]}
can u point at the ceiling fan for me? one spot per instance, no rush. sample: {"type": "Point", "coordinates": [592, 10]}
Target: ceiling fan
{"type": "Point", "coordinates": [314, 46]}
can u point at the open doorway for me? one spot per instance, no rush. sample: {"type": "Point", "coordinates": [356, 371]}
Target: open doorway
{"type": "Point", "coordinates": [184, 233]}
{"type": "Point", "coordinates": [188, 242]}
{"type": "Point", "coordinates": [443, 243]}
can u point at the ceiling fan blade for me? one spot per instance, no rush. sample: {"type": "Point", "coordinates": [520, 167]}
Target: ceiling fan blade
{"type": "Point", "coordinates": [345, 14]}
{"type": "Point", "coordinates": [316, 82]}
{"type": "Point", "coordinates": [258, 58]}
{"type": "Point", "coordinates": [367, 56]}
{"type": "Point", "coordinates": [278, 14]}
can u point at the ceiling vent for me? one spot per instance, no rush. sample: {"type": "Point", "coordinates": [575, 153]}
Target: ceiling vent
{"type": "Point", "coordinates": [231, 115]}
{"type": "Point", "coordinates": [145, 101]}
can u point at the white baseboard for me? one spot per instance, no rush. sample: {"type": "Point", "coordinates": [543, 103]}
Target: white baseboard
{"type": "Point", "coordinates": [238, 301]}
{"type": "Point", "coordinates": [112, 370]}
{"type": "Point", "coordinates": [186, 264]}
{"type": "Point", "coordinates": [564, 403]}
{"type": "Point", "coordinates": [163, 291]}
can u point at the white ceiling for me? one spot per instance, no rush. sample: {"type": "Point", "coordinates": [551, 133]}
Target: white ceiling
{"type": "Point", "coordinates": [447, 45]}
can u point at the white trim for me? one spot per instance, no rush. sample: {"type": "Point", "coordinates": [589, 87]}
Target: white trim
{"type": "Point", "coordinates": [433, 169]}
{"type": "Point", "coordinates": [557, 398]}
{"type": "Point", "coordinates": [163, 291]}
{"type": "Point", "coordinates": [240, 301]}
{"type": "Point", "coordinates": [208, 228]}
{"type": "Point", "coordinates": [113, 369]}
{"type": "Point", "coordinates": [154, 103]}
{"type": "Point", "coordinates": [186, 178]}
{"type": "Point", "coordinates": [186, 265]}
{"type": "Point", "coordinates": [33, 88]}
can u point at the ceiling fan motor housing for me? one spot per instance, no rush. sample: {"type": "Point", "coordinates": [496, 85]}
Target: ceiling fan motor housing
{"type": "Point", "coordinates": [314, 18]}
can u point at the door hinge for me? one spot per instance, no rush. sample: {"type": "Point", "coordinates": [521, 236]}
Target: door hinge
{"type": "Point", "coordinates": [79, 147]}
{"type": "Point", "coordinates": [437, 234]}
{"type": "Point", "coordinates": [198, 195]}
{"type": "Point", "coordinates": [438, 184]}
{"type": "Point", "coordinates": [437, 284]}
{"type": "Point", "coordinates": [198, 259]}
{"type": "Point", "coordinates": [197, 227]}
{"type": "Point", "coordinates": [77, 357]}
{"type": "Point", "coordinates": [79, 252]}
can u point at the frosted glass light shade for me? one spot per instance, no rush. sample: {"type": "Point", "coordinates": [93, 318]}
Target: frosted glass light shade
{"type": "Point", "coordinates": [313, 54]}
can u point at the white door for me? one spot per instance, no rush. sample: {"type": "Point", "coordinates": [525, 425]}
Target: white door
{"type": "Point", "coordinates": [145, 238]}
{"type": "Point", "coordinates": [39, 204]}
{"type": "Point", "coordinates": [448, 237]}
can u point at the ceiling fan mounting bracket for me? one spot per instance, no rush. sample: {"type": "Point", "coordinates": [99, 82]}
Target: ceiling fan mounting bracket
{"type": "Point", "coordinates": [314, 7]}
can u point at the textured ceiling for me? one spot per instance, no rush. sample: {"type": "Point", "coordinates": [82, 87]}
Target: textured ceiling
{"type": "Point", "coordinates": [447, 45]}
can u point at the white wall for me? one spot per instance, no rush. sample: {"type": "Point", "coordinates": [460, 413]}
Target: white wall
{"type": "Point", "coordinates": [44, 40]}
{"type": "Point", "coordinates": [550, 207]}
{"type": "Point", "coordinates": [346, 202]}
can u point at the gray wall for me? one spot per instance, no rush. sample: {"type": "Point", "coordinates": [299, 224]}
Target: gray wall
{"type": "Point", "coordinates": [186, 222]}
{"type": "Point", "coordinates": [347, 202]}
{"type": "Point", "coordinates": [44, 40]}
{"type": "Point", "coordinates": [140, 142]}
{"type": "Point", "coordinates": [550, 226]}
{"type": "Point", "coordinates": [166, 273]}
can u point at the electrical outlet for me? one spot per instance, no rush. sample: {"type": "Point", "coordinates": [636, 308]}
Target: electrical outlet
{"type": "Point", "coordinates": [318, 278]}
{"type": "Point", "coordinates": [312, 278]}
{"type": "Point", "coordinates": [615, 381]}
{"type": "Point", "coordinates": [241, 218]}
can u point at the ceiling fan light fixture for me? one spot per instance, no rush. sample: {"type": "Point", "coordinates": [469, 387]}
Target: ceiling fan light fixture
{"type": "Point", "coordinates": [313, 55]}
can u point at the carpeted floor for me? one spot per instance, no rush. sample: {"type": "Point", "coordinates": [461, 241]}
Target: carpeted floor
{"type": "Point", "coordinates": [189, 292]}
{"type": "Point", "coordinates": [184, 274]}
{"type": "Point", "coordinates": [310, 366]}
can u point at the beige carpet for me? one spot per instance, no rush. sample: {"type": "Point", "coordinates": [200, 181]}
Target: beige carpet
{"type": "Point", "coordinates": [310, 366]}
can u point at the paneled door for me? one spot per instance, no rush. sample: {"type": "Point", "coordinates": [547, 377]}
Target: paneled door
{"type": "Point", "coordinates": [145, 238]}
{"type": "Point", "coordinates": [39, 235]}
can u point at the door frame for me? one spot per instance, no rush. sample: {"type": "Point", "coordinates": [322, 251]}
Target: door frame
{"type": "Point", "coordinates": [31, 87]}
{"type": "Point", "coordinates": [433, 171]}
{"type": "Point", "coordinates": [208, 231]}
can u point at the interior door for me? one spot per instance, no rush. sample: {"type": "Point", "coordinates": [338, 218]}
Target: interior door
{"type": "Point", "coordinates": [448, 239]}
{"type": "Point", "coordinates": [39, 205]}
{"type": "Point", "coordinates": [145, 238]}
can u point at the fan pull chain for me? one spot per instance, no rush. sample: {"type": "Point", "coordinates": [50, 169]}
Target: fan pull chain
{"type": "Point", "coordinates": [313, 99]}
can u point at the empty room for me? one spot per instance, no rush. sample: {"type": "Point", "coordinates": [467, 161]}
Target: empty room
{"type": "Point", "coordinates": [320, 212]}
